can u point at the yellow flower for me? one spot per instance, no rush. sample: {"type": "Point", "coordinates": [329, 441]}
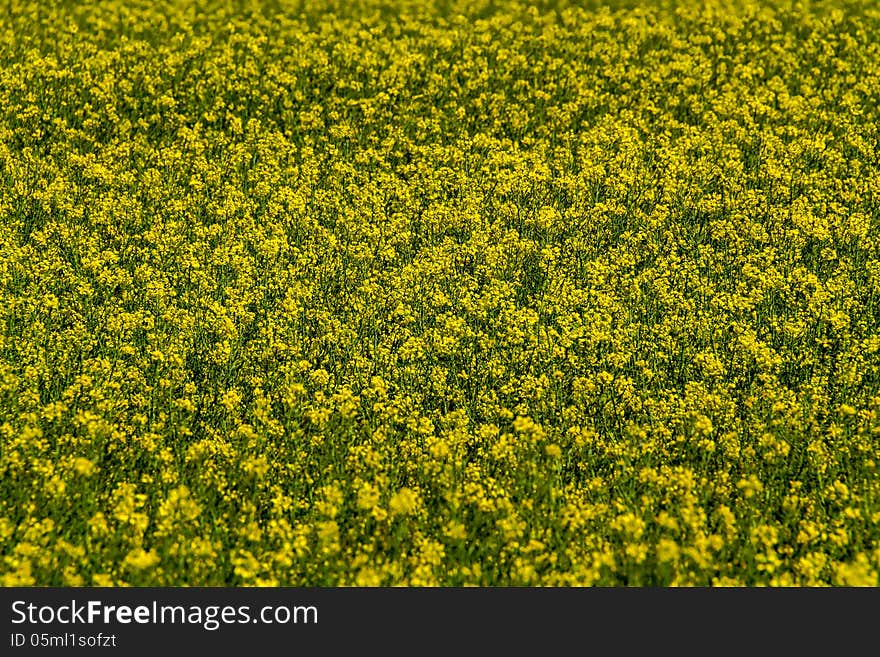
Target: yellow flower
{"type": "Point", "coordinates": [403, 502]}
{"type": "Point", "coordinates": [84, 466]}
{"type": "Point", "coordinates": [140, 559]}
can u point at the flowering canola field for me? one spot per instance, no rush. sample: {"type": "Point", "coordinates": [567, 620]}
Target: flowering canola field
{"type": "Point", "coordinates": [439, 292]}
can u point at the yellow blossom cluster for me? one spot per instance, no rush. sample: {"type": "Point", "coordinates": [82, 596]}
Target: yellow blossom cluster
{"type": "Point", "coordinates": [439, 292]}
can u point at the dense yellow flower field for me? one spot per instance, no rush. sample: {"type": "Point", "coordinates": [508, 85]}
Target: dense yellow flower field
{"type": "Point", "coordinates": [439, 292]}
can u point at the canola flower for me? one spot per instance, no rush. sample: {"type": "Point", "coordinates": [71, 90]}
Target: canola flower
{"type": "Point", "coordinates": [439, 292]}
